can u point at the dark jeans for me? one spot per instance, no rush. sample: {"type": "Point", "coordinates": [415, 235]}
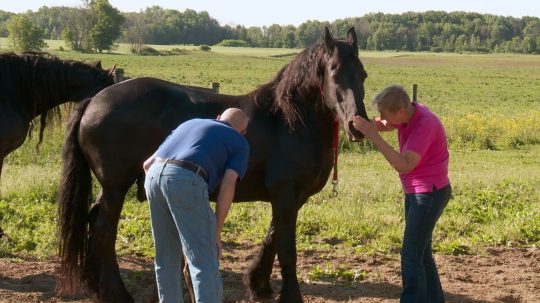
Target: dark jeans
{"type": "Point", "coordinates": [418, 270]}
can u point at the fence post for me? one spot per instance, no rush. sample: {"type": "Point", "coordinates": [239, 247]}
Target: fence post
{"type": "Point", "coordinates": [215, 87]}
{"type": "Point", "coordinates": [414, 92]}
{"type": "Point", "coordinates": [118, 75]}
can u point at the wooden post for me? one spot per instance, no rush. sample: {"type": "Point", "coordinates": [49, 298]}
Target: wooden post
{"type": "Point", "coordinates": [215, 87]}
{"type": "Point", "coordinates": [118, 75]}
{"type": "Point", "coordinates": [415, 92]}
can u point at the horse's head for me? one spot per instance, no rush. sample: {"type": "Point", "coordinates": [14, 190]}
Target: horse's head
{"type": "Point", "coordinates": [343, 77]}
{"type": "Point", "coordinates": [84, 80]}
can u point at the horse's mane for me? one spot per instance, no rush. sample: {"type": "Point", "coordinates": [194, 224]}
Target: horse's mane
{"type": "Point", "coordinates": [295, 82]}
{"type": "Point", "coordinates": [35, 77]}
{"type": "Point", "coordinates": [25, 67]}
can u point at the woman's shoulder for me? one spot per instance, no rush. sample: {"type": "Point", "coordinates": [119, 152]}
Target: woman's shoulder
{"type": "Point", "coordinates": [426, 114]}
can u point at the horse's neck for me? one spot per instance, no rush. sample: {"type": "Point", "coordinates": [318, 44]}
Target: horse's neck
{"type": "Point", "coordinates": [42, 99]}
{"type": "Point", "coordinates": [39, 108]}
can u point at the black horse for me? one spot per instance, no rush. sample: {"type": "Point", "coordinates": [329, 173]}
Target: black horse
{"type": "Point", "coordinates": [290, 135]}
{"type": "Point", "coordinates": [33, 84]}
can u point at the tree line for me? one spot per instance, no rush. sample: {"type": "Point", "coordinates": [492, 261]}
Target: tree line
{"type": "Point", "coordinates": [96, 26]}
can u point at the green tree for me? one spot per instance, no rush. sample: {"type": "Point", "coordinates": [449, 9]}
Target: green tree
{"type": "Point", "coordinates": [255, 37]}
{"type": "Point", "coordinates": [273, 35]}
{"type": "Point", "coordinates": [310, 32]}
{"type": "Point", "coordinates": [24, 35]}
{"type": "Point", "coordinates": [4, 17]}
{"type": "Point", "coordinates": [288, 37]}
{"type": "Point", "coordinates": [77, 23]}
{"type": "Point", "coordinates": [107, 27]}
{"type": "Point", "coordinates": [136, 31]}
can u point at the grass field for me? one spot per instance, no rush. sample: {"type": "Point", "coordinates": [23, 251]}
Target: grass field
{"type": "Point", "coordinates": [490, 105]}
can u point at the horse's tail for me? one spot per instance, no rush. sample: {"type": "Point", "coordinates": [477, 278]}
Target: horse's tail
{"type": "Point", "coordinates": [73, 204]}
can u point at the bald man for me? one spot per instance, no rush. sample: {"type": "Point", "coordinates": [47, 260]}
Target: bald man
{"type": "Point", "coordinates": [198, 156]}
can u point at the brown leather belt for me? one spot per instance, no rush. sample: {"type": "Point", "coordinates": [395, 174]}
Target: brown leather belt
{"type": "Point", "coordinates": [197, 169]}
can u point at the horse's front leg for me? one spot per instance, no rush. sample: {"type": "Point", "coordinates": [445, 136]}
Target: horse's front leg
{"type": "Point", "coordinates": [257, 277]}
{"type": "Point", "coordinates": [284, 215]}
{"type": "Point", "coordinates": [101, 270]}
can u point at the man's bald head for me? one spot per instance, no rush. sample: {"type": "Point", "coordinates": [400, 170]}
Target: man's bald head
{"type": "Point", "coordinates": [236, 117]}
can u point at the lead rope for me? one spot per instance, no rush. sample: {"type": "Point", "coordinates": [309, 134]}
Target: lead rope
{"type": "Point", "coordinates": [335, 147]}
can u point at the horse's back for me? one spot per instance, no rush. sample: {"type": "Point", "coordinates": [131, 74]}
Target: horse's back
{"type": "Point", "coordinates": [139, 110]}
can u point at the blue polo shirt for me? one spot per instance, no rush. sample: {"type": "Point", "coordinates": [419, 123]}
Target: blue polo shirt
{"type": "Point", "coordinates": [212, 144]}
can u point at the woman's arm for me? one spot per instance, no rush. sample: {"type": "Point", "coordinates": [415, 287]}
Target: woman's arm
{"type": "Point", "coordinates": [402, 163]}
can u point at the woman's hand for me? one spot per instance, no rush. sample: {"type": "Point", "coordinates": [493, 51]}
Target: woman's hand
{"type": "Point", "coordinates": [368, 128]}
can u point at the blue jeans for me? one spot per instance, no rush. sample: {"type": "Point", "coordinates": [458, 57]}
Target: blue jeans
{"type": "Point", "coordinates": [182, 221]}
{"type": "Point", "coordinates": [419, 274]}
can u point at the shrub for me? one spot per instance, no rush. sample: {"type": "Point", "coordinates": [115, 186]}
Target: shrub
{"type": "Point", "coordinates": [205, 48]}
{"type": "Point", "coordinates": [234, 43]}
{"type": "Point", "coordinates": [147, 50]}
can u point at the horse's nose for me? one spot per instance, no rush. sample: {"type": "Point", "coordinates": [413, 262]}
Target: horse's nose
{"type": "Point", "coordinates": [354, 134]}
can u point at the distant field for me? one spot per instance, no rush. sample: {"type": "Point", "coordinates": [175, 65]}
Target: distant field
{"type": "Point", "coordinates": [490, 105]}
{"type": "Point", "coordinates": [124, 48]}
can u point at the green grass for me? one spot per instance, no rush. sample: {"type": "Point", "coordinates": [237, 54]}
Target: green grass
{"type": "Point", "coordinates": [495, 202]}
{"type": "Point", "coordinates": [490, 105]}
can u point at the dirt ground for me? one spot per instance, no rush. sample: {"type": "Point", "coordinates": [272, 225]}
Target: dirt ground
{"type": "Point", "coordinates": [499, 275]}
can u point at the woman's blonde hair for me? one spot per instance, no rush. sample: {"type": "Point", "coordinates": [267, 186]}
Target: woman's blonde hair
{"type": "Point", "coordinates": [392, 98]}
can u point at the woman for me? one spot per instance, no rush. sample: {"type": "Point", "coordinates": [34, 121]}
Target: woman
{"type": "Point", "coordinates": [422, 164]}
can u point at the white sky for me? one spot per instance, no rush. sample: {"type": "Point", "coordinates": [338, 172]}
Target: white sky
{"type": "Point", "coordinates": [283, 12]}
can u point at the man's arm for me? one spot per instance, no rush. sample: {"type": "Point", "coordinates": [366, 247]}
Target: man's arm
{"type": "Point", "coordinates": [224, 200]}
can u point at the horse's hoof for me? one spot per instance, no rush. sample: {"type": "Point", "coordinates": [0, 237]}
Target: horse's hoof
{"type": "Point", "coordinates": [296, 298]}
{"type": "Point", "coordinates": [262, 292]}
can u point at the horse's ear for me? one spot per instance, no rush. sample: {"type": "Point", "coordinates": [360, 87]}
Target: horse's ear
{"type": "Point", "coordinates": [96, 64]}
{"type": "Point", "coordinates": [328, 39]}
{"type": "Point", "coordinates": [111, 71]}
{"type": "Point", "coordinates": [352, 39]}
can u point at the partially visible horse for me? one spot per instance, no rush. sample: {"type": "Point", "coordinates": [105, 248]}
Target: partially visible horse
{"type": "Point", "coordinates": [290, 135]}
{"type": "Point", "coordinates": [33, 84]}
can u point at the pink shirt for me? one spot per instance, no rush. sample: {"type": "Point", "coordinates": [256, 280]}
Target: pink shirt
{"type": "Point", "coordinates": [424, 135]}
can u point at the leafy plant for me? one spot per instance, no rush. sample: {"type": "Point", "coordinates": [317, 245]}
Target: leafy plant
{"type": "Point", "coordinates": [338, 273]}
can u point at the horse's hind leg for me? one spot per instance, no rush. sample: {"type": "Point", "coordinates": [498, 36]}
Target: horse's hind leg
{"type": "Point", "coordinates": [101, 270]}
{"type": "Point", "coordinates": [257, 277]}
{"type": "Point", "coordinates": [141, 194]}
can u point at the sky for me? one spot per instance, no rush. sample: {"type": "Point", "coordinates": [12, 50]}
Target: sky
{"type": "Point", "coordinates": [285, 12]}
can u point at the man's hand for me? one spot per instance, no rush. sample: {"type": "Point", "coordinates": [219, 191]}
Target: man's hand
{"type": "Point", "coordinates": [148, 163]}
{"type": "Point", "coordinates": [220, 254]}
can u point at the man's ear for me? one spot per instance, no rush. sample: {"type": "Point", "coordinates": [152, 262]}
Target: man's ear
{"type": "Point", "coordinates": [218, 117]}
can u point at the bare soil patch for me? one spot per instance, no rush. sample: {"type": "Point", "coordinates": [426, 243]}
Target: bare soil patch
{"type": "Point", "coordinates": [506, 275]}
